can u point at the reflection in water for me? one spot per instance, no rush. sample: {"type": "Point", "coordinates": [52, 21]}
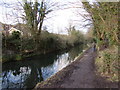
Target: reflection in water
{"type": "Point", "coordinates": [12, 79]}
{"type": "Point", "coordinates": [55, 67]}
{"type": "Point", "coordinates": [27, 73]}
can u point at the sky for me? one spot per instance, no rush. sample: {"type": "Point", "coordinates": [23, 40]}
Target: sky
{"type": "Point", "coordinates": [60, 18]}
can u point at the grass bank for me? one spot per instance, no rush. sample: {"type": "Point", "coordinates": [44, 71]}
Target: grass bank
{"type": "Point", "coordinates": [107, 63]}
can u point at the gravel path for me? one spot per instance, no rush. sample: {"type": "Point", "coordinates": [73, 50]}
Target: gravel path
{"type": "Point", "coordinates": [79, 74]}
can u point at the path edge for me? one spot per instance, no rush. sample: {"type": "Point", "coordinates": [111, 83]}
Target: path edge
{"type": "Point", "coordinates": [58, 77]}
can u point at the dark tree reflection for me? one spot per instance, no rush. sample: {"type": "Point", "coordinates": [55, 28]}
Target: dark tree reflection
{"type": "Point", "coordinates": [27, 73]}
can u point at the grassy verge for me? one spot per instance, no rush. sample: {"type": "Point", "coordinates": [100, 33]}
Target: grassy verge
{"type": "Point", "coordinates": [107, 63]}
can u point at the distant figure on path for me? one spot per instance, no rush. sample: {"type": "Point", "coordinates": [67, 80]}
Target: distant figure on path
{"type": "Point", "coordinates": [94, 47]}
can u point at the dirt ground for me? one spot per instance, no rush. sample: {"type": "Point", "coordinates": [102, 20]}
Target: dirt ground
{"type": "Point", "coordinates": [79, 74]}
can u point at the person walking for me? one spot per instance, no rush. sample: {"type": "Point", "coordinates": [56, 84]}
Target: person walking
{"type": "Point", "coordinates": [94, 47]}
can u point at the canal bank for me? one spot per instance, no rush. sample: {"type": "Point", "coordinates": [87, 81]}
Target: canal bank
{"type": "Point", "coordinates": [27, 73]}
{"type": "Point", "coordinates": [56, 80]}
{"type": "Point", "coordinates": [79, 74]}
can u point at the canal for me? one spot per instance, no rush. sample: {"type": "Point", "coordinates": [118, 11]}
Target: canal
{"type": "Point", "coordinates": [27, 73]}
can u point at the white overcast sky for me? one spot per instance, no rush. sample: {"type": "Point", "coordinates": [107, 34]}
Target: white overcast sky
{"type": "Point", "coordinates": [58, 23]}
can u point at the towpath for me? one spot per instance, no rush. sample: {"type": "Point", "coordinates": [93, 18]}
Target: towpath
{"type": "Point", "coordinates": [79, 74]}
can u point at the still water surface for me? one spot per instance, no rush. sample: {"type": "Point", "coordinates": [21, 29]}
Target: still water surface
{"type": "Point", "coordinates": [27, 73]}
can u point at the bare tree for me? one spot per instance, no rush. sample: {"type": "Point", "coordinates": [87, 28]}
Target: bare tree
{"type": "Point", "coordinates": [36, 12]}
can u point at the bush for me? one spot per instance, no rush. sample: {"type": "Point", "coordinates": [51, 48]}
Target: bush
{"type": "Point", "coordinates": [107, 63]}
{"type": "Point", "coordinates": [48, 42]}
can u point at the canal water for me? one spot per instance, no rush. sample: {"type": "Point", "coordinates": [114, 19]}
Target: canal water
{"type": "Point", "coordinates": [27, 73]}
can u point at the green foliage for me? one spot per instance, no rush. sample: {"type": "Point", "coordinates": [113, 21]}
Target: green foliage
{"type": "Point", "coordinates": [89, 36]}
{"type": "Point", "coordinates": [105, 21]}
{"type": "Point", "coordinates": [6, 58]}
{"type": "Point", "coordinates": [15, 40]}
{"type": "Point", "coordinates": [12, 41]}
{"type": "Point", "coordinates": [35, 12]}
{"type": "Point", "coordinates": [107, 63]}
{"type": "Point", "coordinates": [11, 57]}
{"type": "Point", "coordinates": [48, 42]}
{"type": "Point", "coordinates": [16, 35]}
{"type": "Point", "coordinates": [18, 57]}
{"type": "Point", "coordinates": [31, 10]}
{"type": "Point", "coordinates": [51, 42]}
{"type": "Point", "coordinates": [75, 36]}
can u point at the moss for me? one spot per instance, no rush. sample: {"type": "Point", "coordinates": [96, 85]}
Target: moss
{"type": "Point", "coordinates": [18, 57]}
{"type": "Point", "coordinates": [14, 57]}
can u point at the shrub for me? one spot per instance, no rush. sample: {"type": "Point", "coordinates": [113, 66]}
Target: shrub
{"type": "Point", "coordinates": [107, 63]}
